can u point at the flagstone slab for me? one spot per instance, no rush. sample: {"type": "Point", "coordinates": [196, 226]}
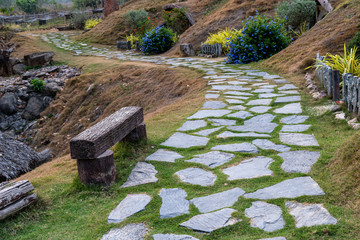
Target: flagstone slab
{"type": "Point", "coordinates": [234, 101]}
{"type": "Point", "coordinates": [209, 222]}
{"type": "Point", "coordinates": [307, 215]}
{"type": "Point", "coordinates": [228, 134]}
{"type": "Point", "coordinates": [275, 238]}
{"type": "Point", "coordinates": [196, 176]}
{"type": "Point", "coordinates": [264, 101]}
{"type": "Point", "coordinates": [131, 204]}
{"type": "Point", "coordinates": [269, 77]}
{"type": "Point", "coordinates": [290, 92]}
{"type": "Point", "coordinates": [268, 145]}
{"type": "Point", "coordinates": [292, 108]}
{"type": "Point", "coordinates": [250, 168]}
{"type": "Point", "coordinates": [299, 161]}
{"type": "Point", "coordinates": [263, 118]}
{"type": "Point", "coordinates": [237, 93]}
{"type": "Point", "coordinates": [266, 216]}
{"type": "Point", "coordinates": [263, 90]}
{"type": "Point", "coordinates": [287, 87]}
{"type": "Point", "coordinates": [290, 188]}
{"type": "Point", "coordinates": [222, 122]}
{"type": "Point", "coordinates": [298, 139]}
{"type": "Point", "coordinates": [280, 81]}
{"type": "Point", "coordinates": [173, 237]}
{"type": "Point", "coordinates": [260, 109]}
{"type": "Point", "coordinates": [237, 107]}
{"type": "Point", "coordinates": [218, 200]}
{"type": "Point", "coordinates": [128, 232]}
{"type": "Point", "coordinates": [214, 104]}
{"type": "Point", "coordinates": [230, 87]}
{"type": "Point", "coordinates": [288, 99]}
{"type": "Point", "coordinates": [270, 95]}
{"type": "Point", "coordinates": [255, 127]}
{"type": "Point", "coordinates": [182, 140]}
{"type": "Point", "coordinates": [237, 147]}
{"type": "Point", "coordinates": [162, 155]}
{"type": "Point", "coordinates": [238, 97]}
{"type": "Point", "coordinates": [141, 174]}
{"type": "Point", "coordinates": [212, 159]}
{"type": "Point", "coordinates": [295, 128]}
{"type": "Point", "coordinates": [236, 82]}
{"type": "Point", "coordinates": [240, 114]}
{"type": "Point", "coordinates": [259, 84]}
{"type": "Point", "coordinates": [294, 119]}
{"type": "Point", "coordinates": [209, 113]}
{"type": "Point", "coordinates": [207, 132]}
{"type": "Point", "coordinates": [192, 125]}
{"type": "Point", "coordinates": [258, 74]}
{"type": "Point", "coordinates": [173, 203]}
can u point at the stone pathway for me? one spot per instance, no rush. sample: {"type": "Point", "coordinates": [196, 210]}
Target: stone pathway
{"type": "Point", "coordinates": [242, 107]}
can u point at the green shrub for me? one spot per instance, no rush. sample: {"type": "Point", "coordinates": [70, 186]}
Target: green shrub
{"type": "Point", "coordinates": [135, 19]}
{"type": "Point", "coordinates": [37, 84]}
{"type": "Point", "coordinates": [296, 12]}
{"type": "Point", "coordinates": [28, 6]}
{"type": "Point", "coordinates": [78, 20]}
{"type": "Point", "coordinates": [355, 42]}
{"type": "Point", "coordinates": [92, 22]}
{"type": "Point", "coordinates": [261, 38]}
{"type": "Point", "coordinates": [176, 20]}
{"type": "Point", "coordinates": [158, 40]}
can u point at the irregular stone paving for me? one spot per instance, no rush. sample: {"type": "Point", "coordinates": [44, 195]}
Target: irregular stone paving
{"type": "Point", "coordinates": [255, 90]}
{"type": "Point", "coordinates": [173, 203]}
{"type": "Point", "coordinates": [275, 238]}
{"type": "Point", "coordinates": [173, 237]}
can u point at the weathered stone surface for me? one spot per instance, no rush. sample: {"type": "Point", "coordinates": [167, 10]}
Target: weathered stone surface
{"type": "Point", "coordinates": [228, 134]}
{"type": "Point", "coordinates": [268, 145]}
{"type": "Point", "coordinates": [218, 200]}
{"type": "Point", "coordinates": [133, 203]}
{"type": "Point", "coordinates": [237, 147]}
{"type": "Point", "coordinates": [8, 104]}
{"type": "Point", "coordinates": [240, 114]}
{"type": "Point", "coordinates": [211, 95]}
{"type": "Point", "coordinates": [129, 232]}
{"type": "Point", "coordinates": [299, 161]}
{"type": "Point", "coordinates": [214, 104]}
{"type": "Point", "coordinates": [141, 174]}
{"type": "Point", "coordinates": [192, 125]}
{"type": "Point", "coordinates": [187, 49]}
{"type": "Point", "coordinates": [173, 237]}
{"type": "Point", "coordinates": [237, 93]}
{"type": "Point", "coordinates": [33, 108]}
{"type": "Point", "coordinates": [280, 81]}
{"type": "Point", "coordinates": [209, 113]}
{"type": "Point", "coordinates": [260, 109]}
{"type": "Point", "coordinates": [259, 119]}
{"type": "Point", "coordinates": [289, 92]}
{"type": "Point", "coordinates": [295, 128]}
{"type": "Point", "coordinates": [255, 127]}
{"type": "Point", "coordinates": [259, 102]}
{"type": "Point", "coordinates": [173, 203]}
{"type": "Point", "coordinates": [269, 77]}
{"type": "Point", "coordinates": [38, 59]}
{"type": "Point", "coordinates": [238, 97]}
{"type": "Point", "coordinates": [298, 139]}
{"type": "Point", "coordinates": [288, 99]}
{"type": "Point", "coordinates": [196, 176]}
{"type": "Point", "coordinates": [230, 87]}
{"type": "Point", "coordinates": [263, 90]}
{"type": "Point", "coordinates": [250, 168]}
{"type": "Point", "coordinates": [275, 238]}
{"type": "Point", "coordinates": [212, 159]}
{"type": "Point", "coordinates": [292, 108]}
{"type": "Point", "coordinates": [234, 101]}
{"type": "Point", "coordinates": [182, 140]}
{"type": "Point", "coordinates": [290, 188]}
{"type": "Point", "coordinates": [270, 95]}
{"type": "Point", "coordinates": [207, 132]}
{"type": "Point", "coordinates": [162, 155]}
{"type": "Point", "coordinates": [222, 122]}
{"type": "Point", "coordinates": [237, 107]}
{"type": "Point", "coordinates": [287, 87]}
{"type": "Point", "coordinates": [307, 215]}
{"type": "Point", "coordinates": [209, 222]}
{"type": "Point", "coordinates": [267, 217]}
{"type": "Point", "coordinates": [294, 119]}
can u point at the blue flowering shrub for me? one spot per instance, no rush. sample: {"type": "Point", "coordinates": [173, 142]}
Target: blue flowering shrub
{"type": "Point", "coordinates": [261, 38]}
{"type": "Point", "coordinates": [158, 40]}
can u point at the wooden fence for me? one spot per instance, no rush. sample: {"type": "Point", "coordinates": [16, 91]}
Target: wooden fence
{"type": "Point", "coordinates": [211, 49]}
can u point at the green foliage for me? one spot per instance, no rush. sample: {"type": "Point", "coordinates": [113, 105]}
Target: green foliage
{"type": "Point", "coordinates": [176, 20]}
{"type": "Point", "coordinates": [296, 12]}
{"type": "Point", "coordinates": [223, 37]}
{"type": "Point", "coordinates": [37, 84]}
{"type": "Point", "coordinates": [355, 42]}
{"type": "Point", "coordinates": [28, 6]}
{"type": "Point", "coordinates": [158, 40]}
{"type": "Point", "coordinates": [78, 20]}
{"type": "Point", "coordinates": [135, 19]}
{"type": "Point", "coordinates": [81, 4]}
{"type": "Point", "coordinates": [90, 23]}
{"type": "Point", "coordinates": [133, 39]}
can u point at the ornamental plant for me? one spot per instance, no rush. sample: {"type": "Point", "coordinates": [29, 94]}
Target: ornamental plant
{"type": "Point", "coordinates": [176, 20]}
{"type": "Point", "coordinates": [355, 42]}
{"type": "Point", "coordinates": [91, 23]}
{"type": "Point", "coordinates": [261, 38]}
{"type": "Point", "coordinates": [37, 84]}
{"type": "Point", "coordinates": [133, 39]}
{"type": "Point", "coordinates": [223, 37]}
{"type": "Point", "coordinates": [157, 40]}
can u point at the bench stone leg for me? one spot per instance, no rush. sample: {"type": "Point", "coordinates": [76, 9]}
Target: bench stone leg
{"type": "Point", "coordinates": [137, 134]}
{"type": "Point", "coordinates": [101, 170]}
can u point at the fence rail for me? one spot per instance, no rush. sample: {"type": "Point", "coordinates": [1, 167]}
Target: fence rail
{"type": "Point", "coordinates": [211, 49]}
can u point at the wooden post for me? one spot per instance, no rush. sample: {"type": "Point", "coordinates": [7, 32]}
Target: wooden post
{"type": "Point", "coordinates": [335, 85]}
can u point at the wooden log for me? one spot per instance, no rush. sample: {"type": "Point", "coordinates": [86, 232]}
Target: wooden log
{"type": "Point", "coordinates": [17, 206]}
{"type": "Point", "coordinates": [336, 85]}
{"type": "Point", "coordinates": [12, 192]}
{"type": "Point", "coordinates": [95, 140]}
{"type": "Point", "coordinates": [137, 134]}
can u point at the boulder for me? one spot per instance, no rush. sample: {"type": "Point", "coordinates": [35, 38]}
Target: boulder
{"type": "Point", "coordinates": [187, 50]}
{"type": "Point", "coordinates": [38, 59]}
{"type": "Point", "coordinates": [110, 7]}
{"type": "Point", "coordinates": [14, 61]}
{"type": "Point", "coordinates": [19, 68]}
{"type": "Point", "coordinates": [8, 104]}
{"type": "Point", "coordinates": [33, 108]}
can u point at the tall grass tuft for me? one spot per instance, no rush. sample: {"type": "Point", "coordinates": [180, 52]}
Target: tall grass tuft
{"type": "Point", "coordinates": [223, 37]}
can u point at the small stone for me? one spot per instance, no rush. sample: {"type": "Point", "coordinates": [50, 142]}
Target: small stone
{"type": "Point", "coordinates": [292, 108]}
{"type": "Point", "coordinates": [287, 99]}
{"type": "Point", "coordinates": [173, 237]}
{"type": "Point", "coordinates": [222, 122]}
{"type": "Point", "coordinates": [212, 96]}
{"type": "Point", "coordinates": [260, 109]}
{"type": "Point", "coordinates": [207, 132]}
{"type": "Point", "coordinates": [228, 134]}
{"type": "Point", "coordinates": [294, 119]}
{"type": "Point", "coordinates": [209, 113]}
{"type": "Point", "coordinates": [335, 108]}
{"type": "Point", "coordinates": [237, 93]}
{"type": "Point", "coordinates": [192, 125]}
{"type": "Point", "coordinates": [298, 161]}
{"type": "Point", "coordinates": [162, 155]}
{"type": "Point", "coordinates": [289, 92]}
{"type": "Point", "coordinates": [196, 176]}
{"type": "Point", "coordinates": [307, 215]}
{"type": "Point", "coordinates": [212, 159]}
{"type": "Point", "coordinates": [182, 140]}
{"type": "Point", "coordinates": [291, 188]}
{"type": "Point", "coordinates": [173, 203]}
{"type": "Point", "coordinates": [141, 174]}
{"type": "Point", "coordinates": [280, 81]}
{"type": "Point", "coordinates": [259, 102]}
{"type": "Point", "coordinates": [214, 104]}
{"type": "Point", "coordinates": [237, 147]}
{"type": "Point", "coordinates": [298, 139]}
{"type": "Point", "coordinates": [287, 87]}
{"type": "Point", "coordinates": [234, 101]}
{"type": "Point", "coordinates": [250, 168]}
{"type": "Point", "coordinates": [268, 145]}
{"type": "Point", "coordinates": [218, 200]}
{"type": "Point", "coordinates": [133, 203]}
{"type": "Point", "coordinates": [237, 107]}
{"type": "Point", "coordinates": [240, 114]}
{"type": "Point", "coordinates": [129, 232]}
{"type": "Point", "coordinates": [267, 217]}
{"type": "Point", "coordinates": [295, 128]}
{"type": "Point", "coordinates": [340, 115]}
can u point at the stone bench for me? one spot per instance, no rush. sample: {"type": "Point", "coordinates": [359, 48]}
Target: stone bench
{"type": "Point", "coordinates": [91, 147]}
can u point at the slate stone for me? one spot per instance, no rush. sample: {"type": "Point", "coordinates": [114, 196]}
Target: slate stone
{"type": "Point", "coordinates": [295, 128]}
{"type": "Point", "coordinates": [263, 118]}
{"type": "Point", "coordinates": [182, 140]}
{"type": "Point", "coordinates": [292, 108]}
{"type": "Point", "coordinates": [133, 203]}
{"type": "Point", "coordinates": [234, 101]}
{"type": "Point", "coordinates": [212, 96]}
{"type": "Point", "coordinates": [222, 122]}
{"type": "Point", "coordinates": [290, 188]}
{"type": "Point", "coordinates": [287, 87]}
{"type": "Point", "coordinates": [299, 161]}
{"type": "Point", "coordinates": [218, 200]}
{"type": "Point", "coordinates": [209, 113]}
{"type": "Point", "coordinates": [268, 145]}
{"type": "Point", "coordinates": [259, 102]}
{"type": "Point", "coordinates": [230, 87]}
{"type": "Point", "coordinates": [236, 82]}
{"type": "Point", "coordinates": [128, 232]}
{"type": "Point", "coordinates": [258, 74]}
{"type": "Point", "coordinates": [173, 203]}
{"type": "Point", "coordinates": [260, 109]}
{"type": "Point", "coordinates": [266, 216]}
{"type": "Point", "coordinates": [250, 168]}
{"type": "Point", "coordinates": [289, 92]}
{"type": "Point", "coordinates": [209, 222]}
{"type": "Point", "coordinates": [263, 90]}
{"type": "Point", "coordinates": [255, 127]}
{"type": "Point", "coordinates": [269, 77]}
{"type": "Point", "coordinates": [207, 132]}
{"type": "Point", "coordinates": [294, 119]}
{"type": "Point", "coordinates": [275, 238]}
{"type": "Point", "coordinates": [212, 159]}
{"type": "Point", "coordinates": [141, 174]}
{"type": "Point", "coordinates": [288, 99]}
{"type": "Point", "coordinates": [173, 237]}
{"type": "Point", "coordinates": [237, 93]}
{"type": "Point", "coordinates": [214, 104]}
{"type": "Point", "coordinates": [228, 134]}
{"type": "Point", "coordinates": [237, 147]}
{"type": "Point", "coordinates": [237, 107]}
{"type": "Point", "coordinates": [240, 114]}
{"type": "Point", "coordinates": [238, 97]}
{"type": "Point", "coordinates": [307, 215]}
{"type": "Point", "coordinates": [270, 95]}
{"type": "Point", "coordinates": [298, 139]}
{"type": "Point", "coordinates": [162, 155]}
{"type": "Point", "coordinates": [280, 81]}
{"type": "Point", "coordinates": [196, 176]}
{"type": "Point", "coordinates": [192, 125]}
